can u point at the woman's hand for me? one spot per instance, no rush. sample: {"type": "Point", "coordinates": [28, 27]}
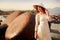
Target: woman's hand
{"type": "Point", "coordinates": [35, 34]}
{"type": "Point", "coordinates": [49, 18]}
{"type": "Point", "coordinates": [47, 12]}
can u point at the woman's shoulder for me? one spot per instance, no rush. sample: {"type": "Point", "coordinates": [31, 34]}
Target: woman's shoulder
{"type": "Point", "coordinates": [37, 15]}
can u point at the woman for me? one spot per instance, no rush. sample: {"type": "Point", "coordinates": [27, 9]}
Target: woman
{"type": "Point", "coordinates": [42, 31]}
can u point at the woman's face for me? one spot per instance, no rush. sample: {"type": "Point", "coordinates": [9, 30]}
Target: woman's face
{"type": "Point", "coordinates": [40, 9]}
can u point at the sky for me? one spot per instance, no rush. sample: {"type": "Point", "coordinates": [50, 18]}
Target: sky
{"type": "Point", "coordinates": [27, 4]}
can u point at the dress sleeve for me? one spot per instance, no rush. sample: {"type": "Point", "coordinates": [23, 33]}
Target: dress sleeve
{"type": "Point", "coordinates": [36, 23]}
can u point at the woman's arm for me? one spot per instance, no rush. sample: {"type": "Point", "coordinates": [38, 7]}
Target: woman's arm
{"type": "Point", "coordinates": [47, 12]}
{"type": "Point", "coordinates": [48, 15]}
{"type": "Point", "coordinates": [36, 22]}
{"type": "Point", "coordinates": [36, 26]}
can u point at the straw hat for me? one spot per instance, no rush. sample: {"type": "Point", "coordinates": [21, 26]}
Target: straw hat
{"type": "Point", "coordinates": [37, 5]}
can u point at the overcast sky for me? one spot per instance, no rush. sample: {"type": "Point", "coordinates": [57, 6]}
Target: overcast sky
{"type": "Point", "coordinates": [27, 4]}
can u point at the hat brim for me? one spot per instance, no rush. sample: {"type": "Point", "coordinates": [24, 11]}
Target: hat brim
{"type": "Point", "coordinates": [35, 6]}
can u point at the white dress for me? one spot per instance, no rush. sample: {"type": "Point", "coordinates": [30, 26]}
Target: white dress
{"type": "Point", "coordinates": [43, 28]}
